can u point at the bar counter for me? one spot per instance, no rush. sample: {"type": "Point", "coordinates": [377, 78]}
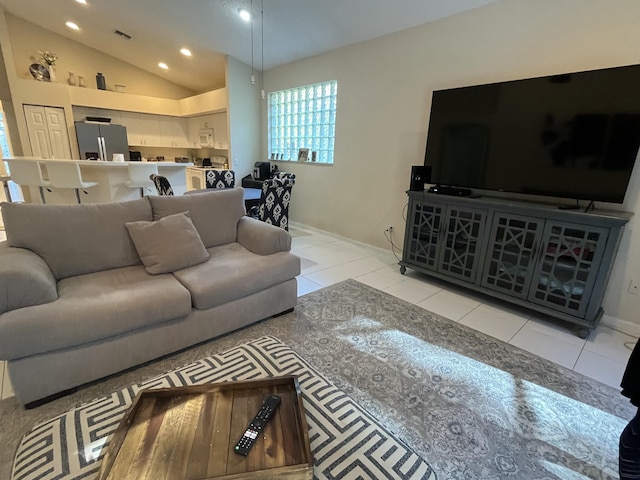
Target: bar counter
{"type": "Point", "coordinates": [110, 177]}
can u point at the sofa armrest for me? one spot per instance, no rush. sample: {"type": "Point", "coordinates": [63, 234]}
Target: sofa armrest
{"type": "Point", "coordinates": [262, 238]}
{"type": "Point", "coordinates": [25, 279]}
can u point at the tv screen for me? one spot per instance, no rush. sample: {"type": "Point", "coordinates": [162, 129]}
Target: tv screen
{"type": "Point", "coordinates": [572, 135]}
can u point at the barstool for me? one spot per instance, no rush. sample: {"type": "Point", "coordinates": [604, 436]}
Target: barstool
{"type": "Point", "coordinates": [26, 173]}
{"type": "Point", "coordinates": [140, 176]}
{"type": "Point", "coordinates": [4, 178]}
{"type": "Point", "coordinates": [66, 174]}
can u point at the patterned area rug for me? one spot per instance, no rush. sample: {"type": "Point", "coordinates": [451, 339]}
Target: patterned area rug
{"type": "Point", "coordinates": [476, 408]}
{"type": "Point", "coordinates": [345, 440]}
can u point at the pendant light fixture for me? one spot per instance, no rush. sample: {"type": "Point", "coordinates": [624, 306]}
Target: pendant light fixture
{"type": "Point", "coordinates": [262, 94]}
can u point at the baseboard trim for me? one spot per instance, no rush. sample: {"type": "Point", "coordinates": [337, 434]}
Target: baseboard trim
{"type": "Point", "coordinates": [624, 326]}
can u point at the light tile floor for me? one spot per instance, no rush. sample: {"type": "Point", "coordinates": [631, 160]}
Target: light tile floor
{"type": "Point", "coordinates": [327, 259]}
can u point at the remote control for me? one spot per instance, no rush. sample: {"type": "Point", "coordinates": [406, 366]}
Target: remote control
{"type": "Point", "coordinates": [250, 436]}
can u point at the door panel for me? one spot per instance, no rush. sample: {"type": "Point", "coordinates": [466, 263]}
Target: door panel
{"type": "Point", "coordinates": [460, 251]}
{"type": "Point", "coordinates": [424, 233]}
{"type": "Point", "coordinates": [58, 133]}
{"type": "Point", "coordinates": [513, 245]}
{"type": "Point", "coordinates": [568, 266]}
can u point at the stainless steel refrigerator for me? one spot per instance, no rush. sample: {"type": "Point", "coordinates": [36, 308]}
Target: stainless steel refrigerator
{"type": "Point", "coordinates": [99, 141]}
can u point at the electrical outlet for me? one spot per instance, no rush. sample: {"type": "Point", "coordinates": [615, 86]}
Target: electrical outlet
{"type": "Point", "coordinates": [634, 288]}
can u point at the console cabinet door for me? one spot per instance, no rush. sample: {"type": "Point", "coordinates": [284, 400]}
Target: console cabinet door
{"type": "Point", "coordinates": [421, 245]}
{"type": "Point", "coordinates": [568, 267]}
{"type": "Point", "coordinates": [513, 244]}
{"type": "Point", "coordinates": [461, 248]}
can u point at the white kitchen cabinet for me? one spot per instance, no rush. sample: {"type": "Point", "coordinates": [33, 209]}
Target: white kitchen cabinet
{"type": "Point", "coordinates": [48, 133]}
{"type": "Point", "coordinates": [174, 132]}
{"type": "Point", "coordinates": [220, 131]}
{"type": "Point", "coordinates": [142, 129]}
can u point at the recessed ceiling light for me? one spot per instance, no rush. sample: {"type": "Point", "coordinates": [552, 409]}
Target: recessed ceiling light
{"type": "Point", "coordinates": [244, 14]}
{"type": "Point", "coordinates": [163, 66]}
{"type": "Point", "coordinates": [185, 51]}
{"type": "Point", "coordinates": [84, 2]}
{"type": "Point", "coordinates": [72, 26]}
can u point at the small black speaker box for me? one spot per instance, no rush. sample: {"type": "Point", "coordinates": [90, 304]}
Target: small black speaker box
{"type": "Point", "coordinates": [420, 174]}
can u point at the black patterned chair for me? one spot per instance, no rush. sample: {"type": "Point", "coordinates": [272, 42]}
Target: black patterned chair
{"type": "Point", "coordinates": [274, 202]}
{"type": "Point", "coordinates": [221, 179]}
{"type": "Point", "coordinates": [283, 176]}
{"type": "Point", "coordinates": [162, 184]}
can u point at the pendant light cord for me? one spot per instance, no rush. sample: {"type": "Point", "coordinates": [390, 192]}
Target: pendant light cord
{"type": "Point", "coordinates": [262, 94]}
{"type": "Point", "coordinates": [253, 78]}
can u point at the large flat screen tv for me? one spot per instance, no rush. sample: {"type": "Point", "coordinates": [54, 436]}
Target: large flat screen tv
{"type": "Point", "coordinates": [572, 135]}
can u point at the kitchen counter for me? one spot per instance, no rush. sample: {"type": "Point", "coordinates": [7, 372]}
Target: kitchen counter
{"type": "Point", "coordinates": [110, 177]}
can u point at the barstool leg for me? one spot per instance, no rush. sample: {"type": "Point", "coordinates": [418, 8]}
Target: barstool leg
{"type": "Point", "coordinates": [41, 194]}
{"type": "Point", "coordinates": [77, 190]}
{"type": "Point", "coordinates": [7, 192]}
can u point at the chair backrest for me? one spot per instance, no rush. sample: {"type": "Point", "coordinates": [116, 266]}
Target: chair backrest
{"type": "Point", "coordinates": [221, 179]}
{"type": "Point", "coordinates": [140, 173]}
{"type": "Point", "coordinates": [64, 174]}
{"type": "Point", "coordinates": [162, 184]}
{"type": "Point", "coordinates": [26, 172]}
{"type": "Point", "coordinates": [284, 176]}
{"type": "Point", "coordinates": [274, 202]}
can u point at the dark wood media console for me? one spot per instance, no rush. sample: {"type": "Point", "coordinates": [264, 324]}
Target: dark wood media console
{"type": "Point", "coordinates": [553, 261]}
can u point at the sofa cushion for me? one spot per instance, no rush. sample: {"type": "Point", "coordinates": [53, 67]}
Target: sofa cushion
{"type": "Point", "coordinates": [76, 239]}
{"type": "Point", "coordinates": [93, 307]}
{"type": "Point", "coordinates": [233, 272]}
{"type": "Point", "coordinates": [214, 213]}
{"type": "Point", "coordinates": [169, 244]}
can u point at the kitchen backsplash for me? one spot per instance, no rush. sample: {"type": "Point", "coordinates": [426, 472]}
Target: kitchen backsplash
{"type": "Point", "coordinates": [170, 154]}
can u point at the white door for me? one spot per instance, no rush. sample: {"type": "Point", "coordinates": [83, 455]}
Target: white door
{"type": "Point", "coordinates": [38, 131]}
{"type": "Point", "coordinates": [48, 132]}
{"type": "Point", "coordinates": [58, 133]}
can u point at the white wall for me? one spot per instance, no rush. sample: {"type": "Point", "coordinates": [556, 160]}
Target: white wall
{"type": "Point", "coordinates": [243, 117]}
{"type": "Point", "coordinates": [28, 39]}
{"type": "Point", "coordinates": [384, 94]}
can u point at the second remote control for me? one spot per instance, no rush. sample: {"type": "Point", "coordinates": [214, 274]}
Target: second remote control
{"type": "Point", "coordinates": [250, 436]}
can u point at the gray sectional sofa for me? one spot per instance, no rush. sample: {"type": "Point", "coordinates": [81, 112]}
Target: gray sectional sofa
{"type": "Point", "coordinates": [78, 301]}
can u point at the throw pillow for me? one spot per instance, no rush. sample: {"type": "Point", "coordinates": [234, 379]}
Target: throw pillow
{"type": "Point", "coordinates": [169, 244]}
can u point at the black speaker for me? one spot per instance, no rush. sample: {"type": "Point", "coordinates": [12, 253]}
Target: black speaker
{"type": "Point", "coordinates": [420, 174]}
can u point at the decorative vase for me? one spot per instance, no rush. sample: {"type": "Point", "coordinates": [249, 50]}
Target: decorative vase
{"type": "Point", "coordinates": [52, 73]}
{"type": "Point", "coordinates": [101, 82]}
{"type": "Point", "coordinates": [81, 81]}
{"type": "Point", "coordinates": [72, 79]}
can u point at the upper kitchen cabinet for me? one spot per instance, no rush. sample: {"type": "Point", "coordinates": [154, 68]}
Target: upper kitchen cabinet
{"type": "Point", "coordinates": [220, 131]}
{"type": "Point", "coordinates": [48, 133]}
{"type": "Point", "coordinates": [142, 129]}
{"type": "Point", "coordinates": [174, 132]}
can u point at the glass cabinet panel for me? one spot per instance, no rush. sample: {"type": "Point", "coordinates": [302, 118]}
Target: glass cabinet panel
{"type": "Point", "coordinates": [462, 237]}
{"type": "Point", "coordinates": [425, 224]}
{"type": "Point", "coordinates": [513, 245]}
{"type": "Point", "coordinates": [568, 266]}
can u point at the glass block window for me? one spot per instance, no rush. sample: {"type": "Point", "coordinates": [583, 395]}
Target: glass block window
{"type": "Point", "coordinates": [303, 117]}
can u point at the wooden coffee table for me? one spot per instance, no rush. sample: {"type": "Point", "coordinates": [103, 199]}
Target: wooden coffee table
{"type": "Point", "coordinates": [189, 433]}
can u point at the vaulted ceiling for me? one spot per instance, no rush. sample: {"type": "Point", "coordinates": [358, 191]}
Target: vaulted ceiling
{"type": "Point", "coordinates": [211, 29]}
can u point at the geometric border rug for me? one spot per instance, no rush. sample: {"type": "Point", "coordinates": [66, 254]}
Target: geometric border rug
{"type": "Point", "coordinates": [346, 441]}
